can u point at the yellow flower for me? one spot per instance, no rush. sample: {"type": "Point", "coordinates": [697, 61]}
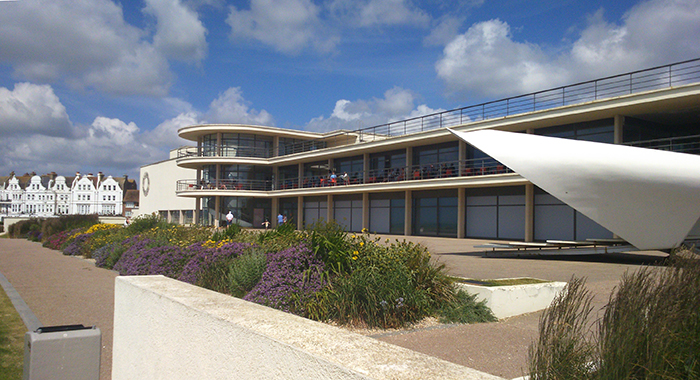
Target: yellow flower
{"type": "Point", "coordinates": [362, 243]}
{"type": "Point", "coordinates": [355, 253]}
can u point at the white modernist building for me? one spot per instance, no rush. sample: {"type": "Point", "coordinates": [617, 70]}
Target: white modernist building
{"type": "Point", "coordinates": [415, 177]}
{"type": "Point", "coordinates": [51, 195]}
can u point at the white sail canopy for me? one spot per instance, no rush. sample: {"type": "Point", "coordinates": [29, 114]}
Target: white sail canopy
{"type": "Point", "coordinates": [650, 198]}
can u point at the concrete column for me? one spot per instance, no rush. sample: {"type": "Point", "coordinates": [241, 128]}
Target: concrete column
{"type": "Point", "coordinates": [409, 158]}
{"type": "Point", "coordinates": [619, 125]}
{"type": "Point", "coordinates": [275, 146]}
{"type": "Point", "coordinates": [461, 212]}
{"type": "Point", "coordinates": [329, 210]}
{"type": "Point", "coordinates": [365, 167]}
{"type": "Point", "coordinates": [217, 211]}
{"type": "Point", "coordinates": [197, 209]}
{"type": "Point", "coordinates": [408, 206]}
{"type": "Point", "coordinates": [365, 210]}
{"type": "Point", "coordinates": [275, 177]}
{"type": "Point", "coordinates": [218, 144]}
{"type": "Point", "coordinates": [462, 157]}
{"type": "Point", "coordinates": [529, 212]}
{"type": "Point", "coordinates": [275, 209]}
{"type": "Point", "coordinates": [218, 176]}
{"type": "Point", "coordinates": [300, 212]}
{"type": "Point", "coordinates": [300, 181]}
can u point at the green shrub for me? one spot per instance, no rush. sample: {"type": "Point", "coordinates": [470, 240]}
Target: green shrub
{"type": "Point", "coordinates": [464, 308]}
{"type": "Point", "coordinates": [329, 242]}
{"type": "Point", "coordinates": [53, 226]}
{"type": "Point", "coordinates": [245, 272]}
{"type": "Point", "coordinates": [229, 233]}
{"type": "Point", "coordinates": [144, 223]}
{"type": "Point", "coordinates": [650, 329]}
{"type": "Point", "coordinates": [22, 228]}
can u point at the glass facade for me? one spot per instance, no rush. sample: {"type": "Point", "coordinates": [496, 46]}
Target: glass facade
{"type": "Point", "coordinates": [435, 213]}
{"type": "Point", "coordinates": [387, 213]}
{"type": "Point", "coordinates": [597, 131]}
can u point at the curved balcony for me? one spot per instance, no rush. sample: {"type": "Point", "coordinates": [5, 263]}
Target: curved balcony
{"type": "Point", "coordinates": [185, 185]}
{"type": "Point", "coordinates": [224, 151]}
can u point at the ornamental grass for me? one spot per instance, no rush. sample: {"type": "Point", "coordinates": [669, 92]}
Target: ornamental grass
{"type": "Point", "coordinates": [650, 328]}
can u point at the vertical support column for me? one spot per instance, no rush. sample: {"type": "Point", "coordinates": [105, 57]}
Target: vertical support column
{"type": "Point", "coordinates": [219, 150]}
{"type": "Point", "coordinates": [300, 212]}
{"type": "Point", "coordinates": [275, 210]}
{"type": "Point", "coordinates": [275, 146]}
{"type": "Point", "coordinates": [408, 218]}
{"type": "Point", "coordinates": [461, 212]}
{"type": "Point", "coordinates": [275, 177]}
{"type": "Point", "coordinates": [365, 211]}
{"type": "Point", "coordinates": [529, 212]}
{"type": "Point", "coordinates": [217, 211]}
{"type": "Point", "coordinates": [365, 167]}
{"type": "Point", "coordinates": [409, 161]}
{"type": "Point", "coordinates": [529, 206]}
{"type": "Point", "coordinates": [462, 158]}
{"type": "Point", "coordinates": [217, 182]}
{"type": "Point", "coordinates": [197, 210]}
{"type": "Point", "coordinates": [300, 180]}
{"type": "Point", "coordinates": [329, 209]}
{"type": "Point", "coordinates": [619, 125]}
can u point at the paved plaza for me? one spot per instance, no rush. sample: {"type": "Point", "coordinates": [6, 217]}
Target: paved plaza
{"type": "Point", "coordinates": [66, 290]}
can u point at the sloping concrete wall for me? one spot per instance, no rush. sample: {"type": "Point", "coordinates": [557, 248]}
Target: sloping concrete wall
{"type": "Point", "coordinates": [166, 329]}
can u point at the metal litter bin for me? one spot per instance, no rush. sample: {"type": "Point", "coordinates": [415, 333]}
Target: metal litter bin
{"type": "Point", "coordinates": [62, 352]}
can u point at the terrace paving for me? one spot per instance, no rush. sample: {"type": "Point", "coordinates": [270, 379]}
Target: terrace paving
{"type": "Point", "coordinates": [66, 290]}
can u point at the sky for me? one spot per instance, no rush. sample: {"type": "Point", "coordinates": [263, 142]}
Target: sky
{"type": "Point", "coordinates": [99, 85]}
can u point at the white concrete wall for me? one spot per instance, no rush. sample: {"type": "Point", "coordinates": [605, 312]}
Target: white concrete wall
{"type": "Point", "coordinates": [163, 177]}
{"type": "Point", "coordinates": [166, 329]}
{"type": "Point", "coordinates": [511, 300]}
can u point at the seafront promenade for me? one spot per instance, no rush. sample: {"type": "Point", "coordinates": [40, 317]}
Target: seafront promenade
{"type": "Point", "coordinates": [67, 290]}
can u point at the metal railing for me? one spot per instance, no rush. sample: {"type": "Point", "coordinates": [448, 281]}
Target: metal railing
{"type": "Point", "coordinates": [659, 77]}
{"type": "Point", "coordinates": [224, 151]}
{"type": "Point", "coordinates": [684, 144]}
{"type": "Point", "coordinates": [223, 184]}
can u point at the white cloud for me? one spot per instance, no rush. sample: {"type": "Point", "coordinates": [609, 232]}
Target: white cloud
{"type": "Point", "coordinates": [487, 60]}
{"type": "Point", "coordinates": [371, 13]}
{"type": "Point", "coordinates": [165, 134]}
{"type": "Point", "coordinates": [30, 108]}
{"type": "Point", "coordinates": [231, 108]}
{"type": "Point", "coordinates": [445, 31]}
{"type": "Point", "coordinates": [179, 32]}
{"type": "Point", "coordinates": [289, 26]}
{"type": "Point", "coordinates": [397, 104]}
{"type": "Point", "coordinates": [88, 44]}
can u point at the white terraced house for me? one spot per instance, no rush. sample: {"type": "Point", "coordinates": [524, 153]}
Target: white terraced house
{"type": "Point", "coordinates": [51, 195]}
{"type": "Point", "coordinates": [415, 177]}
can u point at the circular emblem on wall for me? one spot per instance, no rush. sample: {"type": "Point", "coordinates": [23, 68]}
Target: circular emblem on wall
{"type": "Point", "coordinates": [145, 184]}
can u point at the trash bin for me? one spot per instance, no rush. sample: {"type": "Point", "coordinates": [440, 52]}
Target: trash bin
{"type": "Point", "coordinates": [62, 352]}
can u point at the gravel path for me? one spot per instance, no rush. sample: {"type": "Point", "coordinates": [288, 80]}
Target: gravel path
{"type": "Point", "coordinates": [62, 290]}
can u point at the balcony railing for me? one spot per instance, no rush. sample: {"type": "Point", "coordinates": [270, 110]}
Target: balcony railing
{"type": "Point", "coordinates": [223, 184]}
{"type": "Point", "coordinates": [224, 151]}
{"type": "Point", "coordinates": [660, 77]}
{"type": "Point", "coordinates": [685, 144]}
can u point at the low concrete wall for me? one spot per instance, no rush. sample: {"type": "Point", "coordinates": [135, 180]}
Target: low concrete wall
{"type": "Point", "coordinates": [166, 329]}
{"type": "Point", "coordinates": [511, 300]}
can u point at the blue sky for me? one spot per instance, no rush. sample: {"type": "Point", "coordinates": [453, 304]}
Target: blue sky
{"type": "Point", "coordinates": [97, 85]}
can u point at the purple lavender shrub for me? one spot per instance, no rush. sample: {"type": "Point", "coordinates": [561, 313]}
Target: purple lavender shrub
{"type": "Point", "coordinates": [203, 258]}
{"type": "Point", "coordinates": [139, 259]}
{"type": "Point", "coordinates": [290, 280]}
{"type": "Point", "coordinates": [73, 249]}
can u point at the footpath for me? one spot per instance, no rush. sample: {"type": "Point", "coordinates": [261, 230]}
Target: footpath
{"type": "Point", "coordinates": [63, 290]}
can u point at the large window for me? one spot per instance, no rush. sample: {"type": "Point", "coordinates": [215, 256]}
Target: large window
{"type": "Point", "coordinates": [435, 213]}
{"type": "Point", "coordinates": [387, 213]}
{"type": "Point", "coordinates": [597, 131]}
{"type": "Point", "coordinates": [246, 145]}
{"type": "Point", "coordinates": [496, 213]}
{"type": "Point", "coordinates": [347, 211]}
{"type": "Point", "coordinates": [248, 212]}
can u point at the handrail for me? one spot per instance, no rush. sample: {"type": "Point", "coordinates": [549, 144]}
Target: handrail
{"type": "Point", "coordinates": [682, 144]}
{"type": "Point", "coordinates": [658, 77]}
